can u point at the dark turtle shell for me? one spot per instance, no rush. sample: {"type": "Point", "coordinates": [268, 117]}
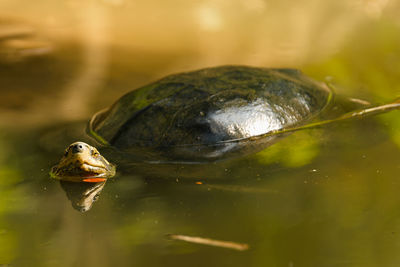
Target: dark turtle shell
{"type": "Point", "coordinates": [208, 114]}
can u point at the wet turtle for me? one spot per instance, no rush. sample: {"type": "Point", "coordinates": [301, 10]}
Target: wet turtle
{"type": "Point", "coordinates": [204, 116]}
{"type": "Point", "coordinates": [201, 115]}
{"type": "Point", "coordinates": [209, 114]}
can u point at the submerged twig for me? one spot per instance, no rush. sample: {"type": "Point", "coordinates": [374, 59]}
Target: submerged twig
{"type": "Point", "coordinates": [210, 242]}
{"type": "Point", "coordinates": [395, 105]}
{"type": "Point", "coordinates": [240, 189]}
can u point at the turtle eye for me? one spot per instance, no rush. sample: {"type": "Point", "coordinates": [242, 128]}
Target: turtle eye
{"type": "Point", "coordinates": [95, 153]}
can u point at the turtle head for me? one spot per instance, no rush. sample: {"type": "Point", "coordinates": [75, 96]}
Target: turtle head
{"type": "Point", "coordinates": [82, 162]}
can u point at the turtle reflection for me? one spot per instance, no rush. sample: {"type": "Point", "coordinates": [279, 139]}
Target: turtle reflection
{"type": "Point", "coordinates": [82, 195]}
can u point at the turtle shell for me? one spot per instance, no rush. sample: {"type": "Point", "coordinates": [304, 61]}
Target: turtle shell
{"type": "Point", "coordinates": [209, 114]}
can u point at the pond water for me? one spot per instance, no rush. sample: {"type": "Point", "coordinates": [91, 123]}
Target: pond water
{"type": "Point", "coordinates": [320, 197]}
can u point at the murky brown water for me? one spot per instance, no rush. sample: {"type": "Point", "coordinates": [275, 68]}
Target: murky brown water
{"type": "Point", "coordinates": [321, 197]}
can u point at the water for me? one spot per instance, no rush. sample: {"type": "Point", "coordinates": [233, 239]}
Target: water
{"type": "Point", "coordinates": [320, 197]}
{"type": "Point", "coordinates": [340, 209]}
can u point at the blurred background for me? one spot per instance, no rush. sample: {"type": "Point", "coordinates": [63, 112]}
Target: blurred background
{"type": "Point", "coordinates": [66, 59]}
{"type": "Point", "coordinates": [332, 201]}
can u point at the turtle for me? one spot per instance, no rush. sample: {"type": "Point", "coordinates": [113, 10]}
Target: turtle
{"type": "Point", "coordinates": [211, 114]}
{"type": "Point", "coordinates": [82, 162]}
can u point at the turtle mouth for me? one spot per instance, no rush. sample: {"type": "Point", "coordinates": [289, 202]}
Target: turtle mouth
{"type": "Point", "coordinates": [94, 170]}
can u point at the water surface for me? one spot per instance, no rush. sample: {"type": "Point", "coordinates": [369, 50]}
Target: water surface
{"type": "Point", "coordinates": [320, 197]}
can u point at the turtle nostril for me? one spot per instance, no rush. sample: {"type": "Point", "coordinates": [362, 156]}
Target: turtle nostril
{"type": "Point", "coordinates": [77, 148]}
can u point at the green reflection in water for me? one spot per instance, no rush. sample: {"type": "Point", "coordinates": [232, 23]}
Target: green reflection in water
{"type": "Point", "coordinates": [295, 151]}
{"type": "Point", "coordinates": [10, 202]}
{"type": "Point", "coordinates": [391, 122]}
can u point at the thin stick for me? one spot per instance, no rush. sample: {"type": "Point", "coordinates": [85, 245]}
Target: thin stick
{"type": "Point", "coordinates": [351, 115]}
{"type": "Point", "coordinates": [239, 189]}
{"type": "Point", "coordinates": [210, 242]}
